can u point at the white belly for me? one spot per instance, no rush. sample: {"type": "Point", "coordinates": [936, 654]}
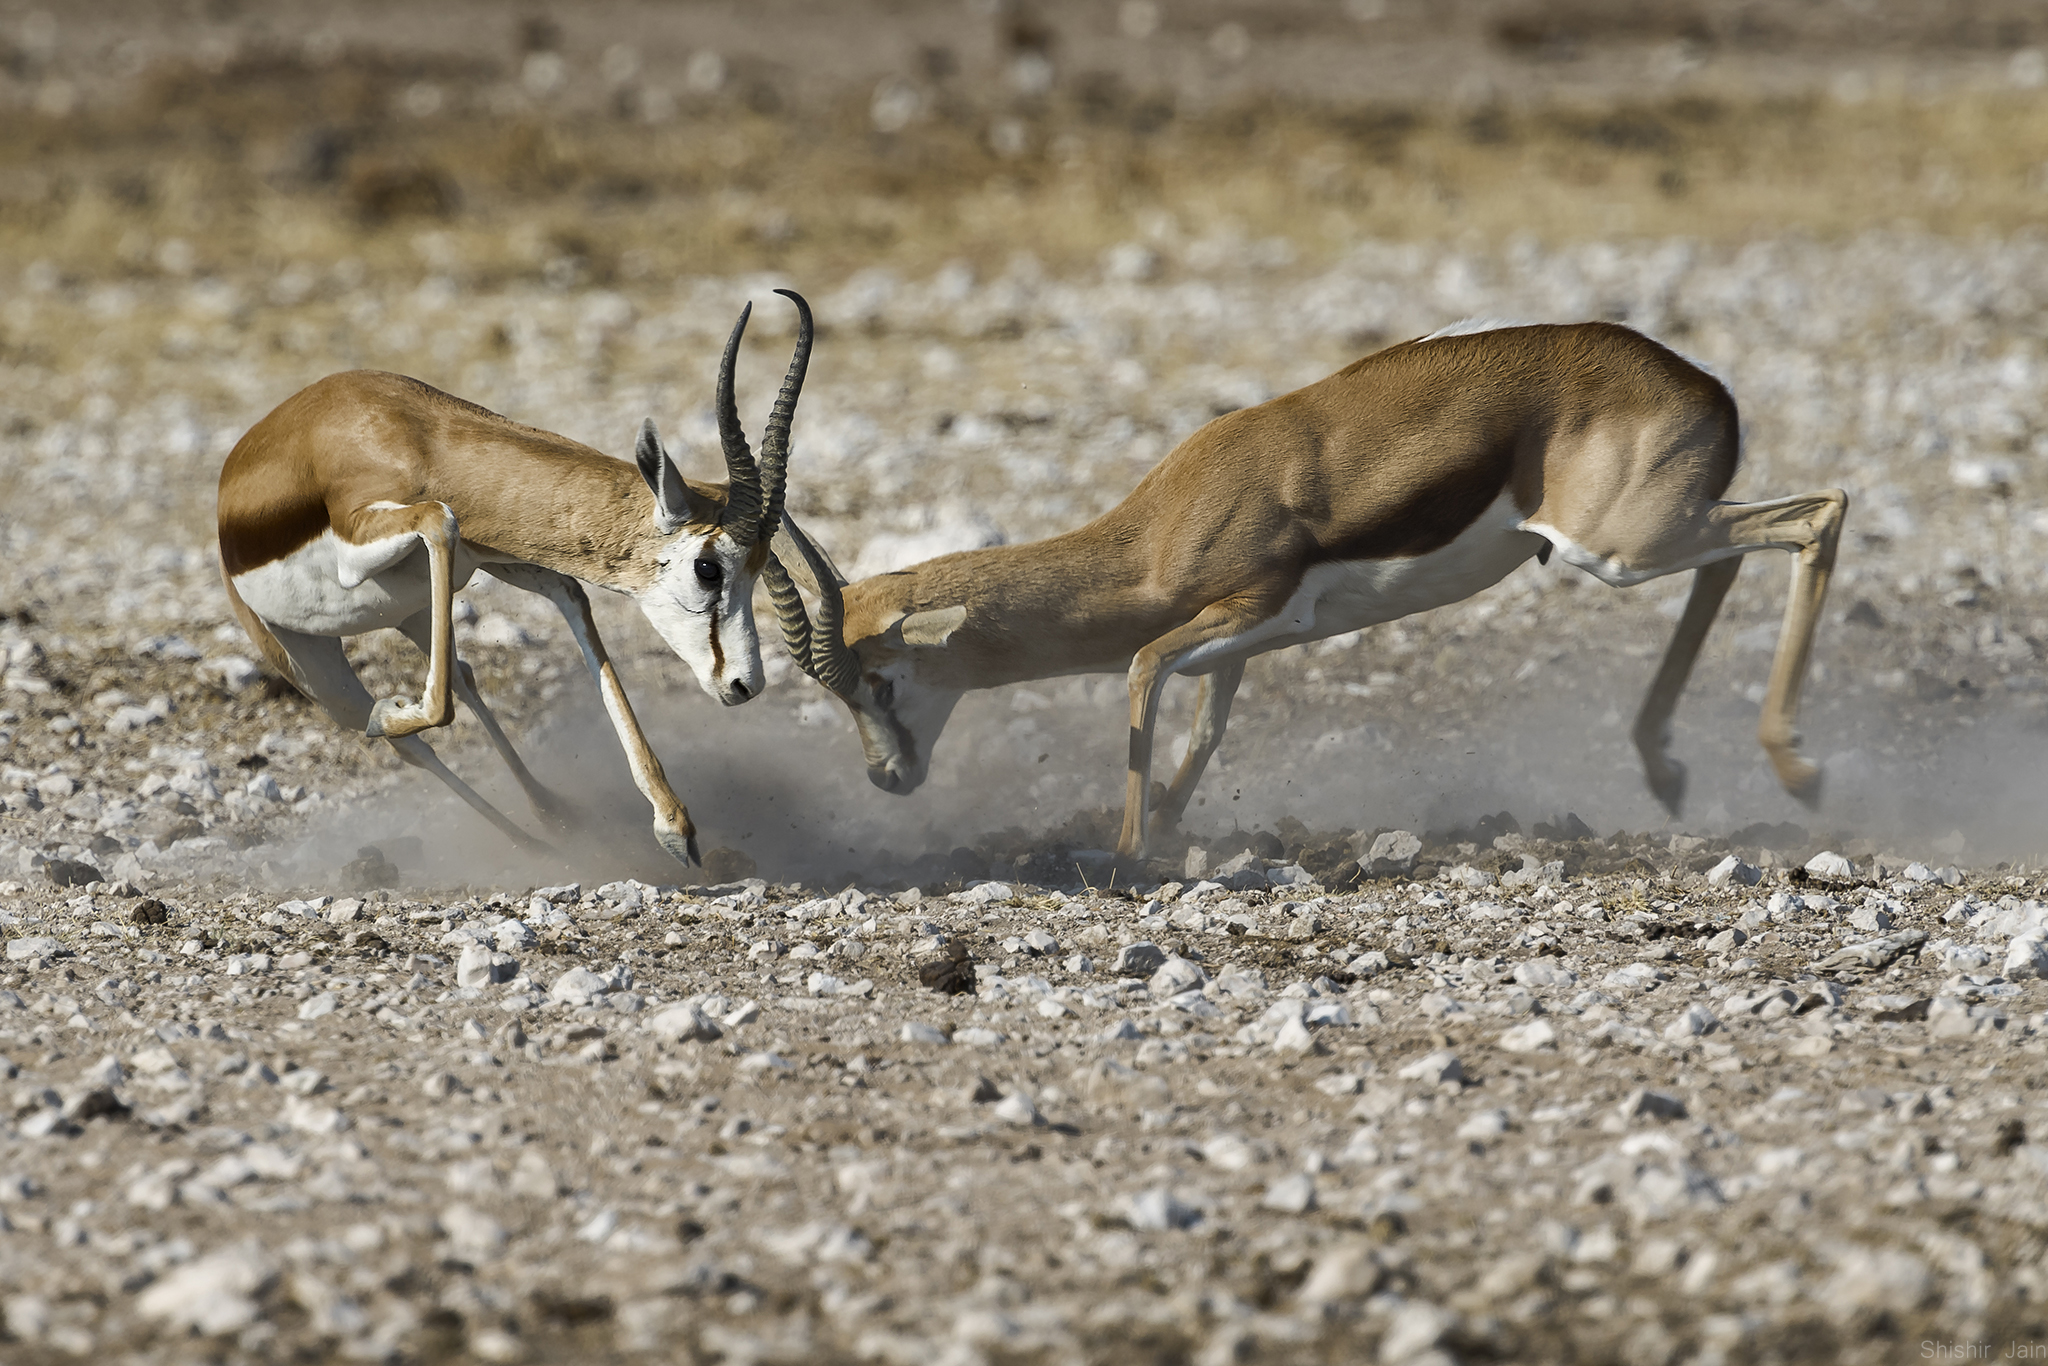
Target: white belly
{"type": "Point", "coordinates": [1348, 595]}
{"type": "Point", "coordinates": [305, 591]}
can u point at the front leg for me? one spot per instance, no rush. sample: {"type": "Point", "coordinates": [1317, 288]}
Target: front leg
{"type": "Point", "coordinates": [1148, 676]}
{"type": "Point", "coordinates": [374, 539]}
{"type": "Point", "coordinates": [549, 806]}
{"type": "Point", "coordinates": [672, 827]}
{"type": "Point", "coordinates": [1217, 631]}
{"type": "Point", "coordinates": [1212, 714]}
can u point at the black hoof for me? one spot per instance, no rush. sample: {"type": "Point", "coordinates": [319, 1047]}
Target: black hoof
{"type": "Point", "coordinates": [1668, 787]}
{"type": "Point", "coordinates": [681, 848]}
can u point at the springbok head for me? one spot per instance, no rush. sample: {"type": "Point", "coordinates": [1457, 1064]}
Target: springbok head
{"type": "Point", "coordinates": [712, 547]}
{"type": "Point", "coordinates": [898, 708]}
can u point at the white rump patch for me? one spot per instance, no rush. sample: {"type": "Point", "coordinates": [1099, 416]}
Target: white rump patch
{"type": "Point", "coordinates": [1465, 327]}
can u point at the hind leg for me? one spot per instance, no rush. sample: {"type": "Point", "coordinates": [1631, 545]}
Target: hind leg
{"type": "Point", "coordinates": [1652, 733]}
{"type": "Point", "coordinates": [318, 667]}
{"type": "Point", "coordinates": [321, 670]}
{"type": "Point", "coordinates": [1711, 541]}
{"type": "Point", "coordinates": [420, 754]}
{"type": "Point", "coordinates": [419, 630]}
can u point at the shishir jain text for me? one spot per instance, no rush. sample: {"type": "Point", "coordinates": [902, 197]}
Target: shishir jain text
{"type": "Point", "coordinates": [1984, 1351]}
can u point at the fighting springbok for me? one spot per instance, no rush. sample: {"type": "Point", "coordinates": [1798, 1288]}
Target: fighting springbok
{"type": "Point", "coordinates": [1412, 478]}
{"type": "Point", "coordinates": [366, 499]}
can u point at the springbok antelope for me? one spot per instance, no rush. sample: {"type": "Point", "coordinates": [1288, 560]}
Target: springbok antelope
{"type": "Point", "coordinates": [366, 499]}
{"type": "Point", "coordinates": [1412, 478]}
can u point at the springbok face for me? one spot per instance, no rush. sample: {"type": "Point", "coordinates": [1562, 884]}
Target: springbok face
{"type": "Point", "coordinates": [702, 603]}
{"type": "Point", "coordinates": [899, 719]}
{"type": "Point", "coordinates": [898, 713]}
{"type": "Point", "coordinates": [702, 597]}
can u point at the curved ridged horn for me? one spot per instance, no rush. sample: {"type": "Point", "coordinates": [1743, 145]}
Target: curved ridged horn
{"type": "Point", "coordinates": [743, 488]}
{"type": "Point", "coordinates": [775, 437]}
{"type": "Point", "coordinates": [789, 611]}
{"type": "Point", "coordinates": [819, 647]}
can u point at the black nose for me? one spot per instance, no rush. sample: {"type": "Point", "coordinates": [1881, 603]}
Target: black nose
{"type": "Point", "coordinates": [740, 690]}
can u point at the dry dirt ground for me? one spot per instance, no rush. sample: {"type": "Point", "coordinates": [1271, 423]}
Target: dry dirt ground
{"type": "Point", "coordinates": [303, 1063]}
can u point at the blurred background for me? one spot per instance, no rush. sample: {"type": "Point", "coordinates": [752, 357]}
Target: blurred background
{"type": "Point", "coordinates": [1046, 242]}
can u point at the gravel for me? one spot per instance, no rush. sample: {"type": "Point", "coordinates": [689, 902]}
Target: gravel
{"type": "Point", "coordinates": [302, 1066]}
{"type": "Point", "coordinates": [339, 1142]}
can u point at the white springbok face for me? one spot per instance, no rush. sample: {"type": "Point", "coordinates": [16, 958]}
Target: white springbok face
{"type": "Point", "coordinates": [899, 719]}
{"type": "Point", "coordinates": [702, 603]}
{"type": "Point", "coordinates": [702, 597]}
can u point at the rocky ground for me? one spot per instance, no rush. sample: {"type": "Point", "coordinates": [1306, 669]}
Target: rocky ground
{"type": "Point", "coordinates": [1535, 1097]}
{"type": "Point", "coordinates": [304, 1063]}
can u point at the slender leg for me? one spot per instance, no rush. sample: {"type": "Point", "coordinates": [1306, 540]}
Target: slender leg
{"type": "Point", "coordinates": [1212, 714]}
{"type": "Point", "coordinates": [1807, 524]}
{"type": "Point", "coordinates": [319, 668]}
{"type": "Point", "coordinates": [1815, 521]}
{"type": "Point", "coordinates": [1710, 585]}
{"type": "Point", "coordinates": [418, 629]}
{"type": "Point", "coordinates": [672, 827]}
{"type": "Point", "coordinates": [420, 754]}
{"type": "Point", "coordinates": [1150, 669]}
{"type": "Point", "coordinates": [377, 537]}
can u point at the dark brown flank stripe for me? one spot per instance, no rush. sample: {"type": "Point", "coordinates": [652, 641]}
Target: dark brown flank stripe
{"type": "Point", "coordinates": [270, 534]}
{"type": "Point", "coordinates": [1430, 521]}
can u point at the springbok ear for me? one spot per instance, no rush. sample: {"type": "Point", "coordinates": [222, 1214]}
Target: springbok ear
{"type": "Point", "coordinates": [675, 502]}
{"type": "Point", "coordinates": [648, 451]}
{"type": "Point", "coordinates": [934, 627]}
{"type": "Point", "coordinates": [663, 478]}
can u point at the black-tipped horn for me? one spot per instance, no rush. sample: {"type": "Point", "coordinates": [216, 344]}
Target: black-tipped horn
{"type": "Point", "coordinates": [775, 437]}
{"type": "Point", "coordinates": [825, 654]}
{"type": "Point", "coordinates": [743, 487]}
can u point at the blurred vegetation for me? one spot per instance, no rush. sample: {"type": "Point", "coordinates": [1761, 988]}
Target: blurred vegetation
{"type": "Point", "coordinates": [276, 159]}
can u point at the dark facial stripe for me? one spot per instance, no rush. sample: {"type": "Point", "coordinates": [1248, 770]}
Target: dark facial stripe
{"type": "Point", "coordinates": [717, 650]}
{"type": "Point", "coordinates": [906, 743]}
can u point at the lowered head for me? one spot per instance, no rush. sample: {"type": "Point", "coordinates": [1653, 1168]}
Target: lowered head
{"type": "Point", "coordinates": [899, 713]}
{"type": "Point", "coordinates": [712, 548]}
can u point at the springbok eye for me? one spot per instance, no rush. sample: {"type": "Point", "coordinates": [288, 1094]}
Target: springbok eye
{"type": "Point", "coordinates": [709, 571]}
{"type": "Point", "coordinates": [885, 693]}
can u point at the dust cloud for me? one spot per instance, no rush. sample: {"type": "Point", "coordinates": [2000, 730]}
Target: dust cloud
{"type": "Point", "coordinates": [782, 780]}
